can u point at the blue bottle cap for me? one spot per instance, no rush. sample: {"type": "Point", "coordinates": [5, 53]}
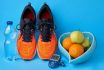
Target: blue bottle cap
{"type": "Point", "coordinates": [9, 22]}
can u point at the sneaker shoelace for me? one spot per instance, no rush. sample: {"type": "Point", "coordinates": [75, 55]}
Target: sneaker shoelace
{"type": "Point", "coordinates": [27, 30]}
{"type": "Point", "coordinates": [46, 29]}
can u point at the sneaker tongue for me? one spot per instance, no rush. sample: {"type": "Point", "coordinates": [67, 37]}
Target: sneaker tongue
{"type": "Point", "coordinates": [26, 20]}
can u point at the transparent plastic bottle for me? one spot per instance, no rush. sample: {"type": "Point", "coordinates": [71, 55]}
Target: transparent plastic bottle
{"type": "Point", "coordinates": [10, 47]}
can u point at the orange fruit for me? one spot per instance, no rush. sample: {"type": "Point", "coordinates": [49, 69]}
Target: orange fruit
{"type": "Point", "coordinates": [67, 43]}
{"type": "Point", "coordinates": [76, 50]}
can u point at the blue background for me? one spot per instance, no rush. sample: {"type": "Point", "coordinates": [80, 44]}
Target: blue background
{"type": "Point", "coordinates": [69, 15]}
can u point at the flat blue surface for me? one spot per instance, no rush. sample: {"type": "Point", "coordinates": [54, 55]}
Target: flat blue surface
{"type": "Point", "coordinates": [69, 15]}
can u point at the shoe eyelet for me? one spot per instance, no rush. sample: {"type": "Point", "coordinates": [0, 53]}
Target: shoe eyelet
{"type": "Point", "coordinates": [32, 30]}
{"type": "Point", "coordinates": [40, 29]}
{"type": "Point", "coordinates": [51, 29]}
{"type": "Point", "coordinates": [22, 29]}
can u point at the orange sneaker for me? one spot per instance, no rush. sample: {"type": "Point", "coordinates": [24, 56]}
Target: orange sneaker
{"type": "Point", "coordinates": [26, 43]}
{"type": "Point", "coordinates": [47, 42]}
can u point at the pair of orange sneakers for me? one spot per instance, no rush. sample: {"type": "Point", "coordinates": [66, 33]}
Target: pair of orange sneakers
{"type": "Point", "coordinates": [26, 42]}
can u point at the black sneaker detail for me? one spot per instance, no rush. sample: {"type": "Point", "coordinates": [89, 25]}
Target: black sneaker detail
{"type": "Point", "coordinates": [27, 23]}
{"type": "Point", "coordinates": [46, 30]}
{"type": "Point", "coordinates": [29, 13]}
{"type": "Point", "coordinates": [45, 23]}
{"type": "Point", "coordinates": [28, 30]}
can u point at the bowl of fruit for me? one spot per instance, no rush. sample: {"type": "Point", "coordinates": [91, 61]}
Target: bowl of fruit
{"type": "Point", "coordinates": [77, 46]}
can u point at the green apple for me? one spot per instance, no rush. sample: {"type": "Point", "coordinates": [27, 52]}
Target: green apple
{"type": "Point", "coordinates": [77, 37]}
{"type": "Point", "coordinates": [86, 43]}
